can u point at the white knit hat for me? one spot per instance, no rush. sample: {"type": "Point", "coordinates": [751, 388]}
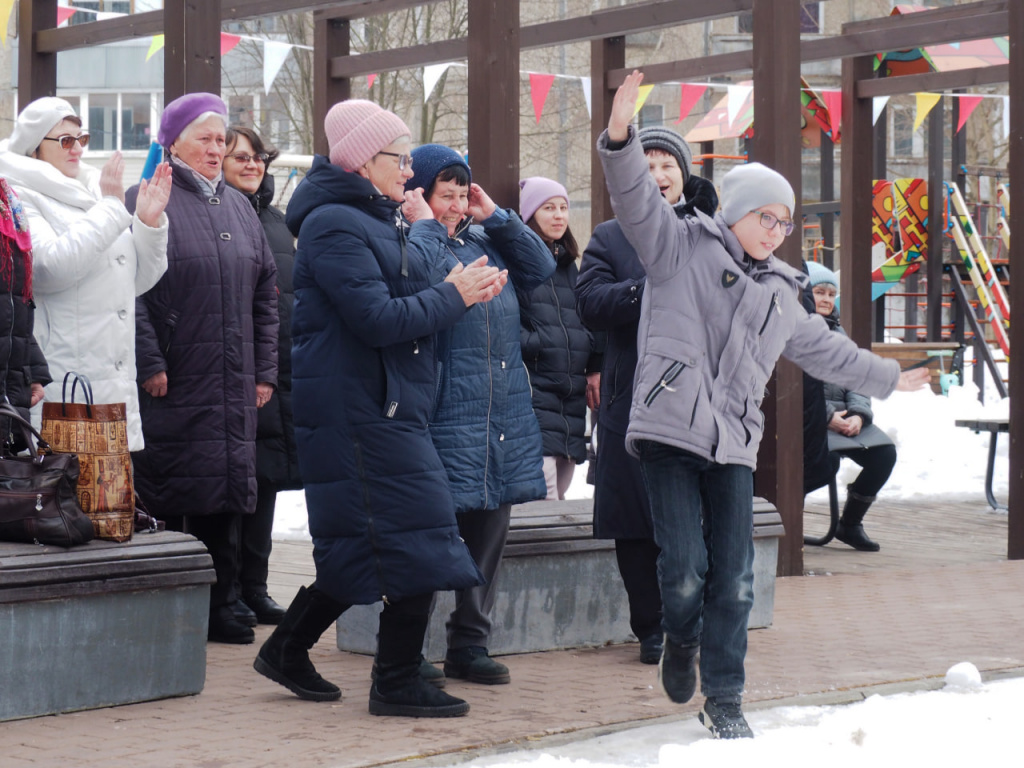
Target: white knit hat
{"type": "Point", "coordinates": [747, 187]}
{"type": "Point", "coordinates": [358, 129]}
{"type": "Point", "coordinates": [36, 120]}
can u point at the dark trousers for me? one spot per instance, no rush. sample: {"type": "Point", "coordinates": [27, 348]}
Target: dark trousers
{"type": "Point", "coordinates": [638, 566]}
{"type": "Point", "coordinates": [256, 542]}
{"type": "Point", "coordinates": [485, 532]}
{"type": "Point", "coordinates": [877, 462]}
{"type": "Point", "coordinates": [219, 533]}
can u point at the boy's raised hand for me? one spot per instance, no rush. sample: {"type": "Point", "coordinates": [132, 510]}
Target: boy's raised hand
{"type": "Point", "coordinates": [624, 106]}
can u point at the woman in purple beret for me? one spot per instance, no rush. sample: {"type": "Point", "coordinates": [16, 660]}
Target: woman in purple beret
{"type": "Point", "coordinates": [206, 347]}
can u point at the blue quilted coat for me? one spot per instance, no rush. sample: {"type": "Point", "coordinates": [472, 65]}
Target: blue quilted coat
{"type": "Point", "coordinates": [368, 301]}
{"type": "Point", "coordinates": [484, 426]}
{"type": "Point", "coordinates": [211, 323]}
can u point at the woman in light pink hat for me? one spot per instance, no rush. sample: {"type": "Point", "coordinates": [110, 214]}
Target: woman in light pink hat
{"type": "Point", "coordinates": [559, 351]}
{"type": "Point", "coordinates": [370, 293]}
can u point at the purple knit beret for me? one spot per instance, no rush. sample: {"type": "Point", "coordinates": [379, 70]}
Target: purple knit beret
{"type": "Point", "coordinates": [183, 110]}
{"type": "Point", "coordinates": [535, 191]}
{"type": "Point", "coordinates": [358, 129]}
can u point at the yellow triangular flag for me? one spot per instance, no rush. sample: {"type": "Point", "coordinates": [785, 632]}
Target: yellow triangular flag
{"type": "Point", "coordinates": [6, 6]}
{"type": "Point", "coordinates": [925, 103]}
{"type": "Point", "coordinates": [155, 45]}
{"type": "Point", "coordinates": [645, 91]}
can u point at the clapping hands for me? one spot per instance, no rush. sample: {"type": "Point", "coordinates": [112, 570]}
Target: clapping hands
{"type": "Point", "coordinates": [477, 282]}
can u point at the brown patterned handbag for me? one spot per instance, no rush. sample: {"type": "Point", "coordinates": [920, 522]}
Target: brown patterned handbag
{"type": "Point", "coordinates": [99, 435]}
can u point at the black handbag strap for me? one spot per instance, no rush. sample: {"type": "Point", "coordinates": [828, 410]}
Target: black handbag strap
{"type": "Point", "coordinates": [86, 392]}
{"type": "Point", "coordinates": [28, 432]}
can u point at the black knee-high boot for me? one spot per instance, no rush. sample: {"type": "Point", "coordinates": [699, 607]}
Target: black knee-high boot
{"type": "Point", "coordinates": [850, 531]}
{"type": "Point", "coordinates": [284, 658]}
{"type": "Point", "coordinates": [399, 689]}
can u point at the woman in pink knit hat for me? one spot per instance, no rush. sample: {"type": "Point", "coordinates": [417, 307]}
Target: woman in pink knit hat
{"type": "Point", "coordinates": [370, 293]}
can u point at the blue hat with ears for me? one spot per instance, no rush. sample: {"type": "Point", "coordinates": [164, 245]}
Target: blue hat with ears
{"type": "Point", "coordinates": [821, 275]}
{"type": "Point", "coordinates": [428, 161]}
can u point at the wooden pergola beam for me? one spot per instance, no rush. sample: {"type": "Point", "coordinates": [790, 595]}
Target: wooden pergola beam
{"type": "Point", "coordinates": [933, 81]}
{"type": "Point", "coordinates": [1015, 170]}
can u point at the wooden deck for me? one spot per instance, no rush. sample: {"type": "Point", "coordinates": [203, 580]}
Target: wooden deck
{"type": "Point", "coordinates": [917, 534]}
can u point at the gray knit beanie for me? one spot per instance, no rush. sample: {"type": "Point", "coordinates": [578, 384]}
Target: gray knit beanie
{"type": "Point", "coordinates": [819, 274]}
{"type": "Point", "coordinates": [747, 187]}
{"type": "Point", "coordinates": [667, 140]}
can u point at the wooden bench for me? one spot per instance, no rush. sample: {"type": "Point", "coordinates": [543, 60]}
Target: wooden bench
{"type": "Point", "coordinates": [993, 427]}
{"type": "Point", "coordinates": [559, 587]}
{"type": "Point", "coordinates": [916, 353]}
{"type": "Point", "coordinates": [102, 624]}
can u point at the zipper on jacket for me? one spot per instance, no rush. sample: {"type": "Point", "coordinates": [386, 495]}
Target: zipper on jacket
{"type": "Point", "coordinates": [670, 375]}
{"type": "Point", "coordinates": [768, 316]}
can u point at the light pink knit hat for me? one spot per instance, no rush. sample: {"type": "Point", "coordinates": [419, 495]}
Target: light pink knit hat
{"type": "Point", "coordinates": [535, 191]}
{"type": "Point", "coordinates": [358, 129]}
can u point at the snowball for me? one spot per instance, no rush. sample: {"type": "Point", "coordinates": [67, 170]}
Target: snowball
{"type": "Point", "coordinates": [963, 675]}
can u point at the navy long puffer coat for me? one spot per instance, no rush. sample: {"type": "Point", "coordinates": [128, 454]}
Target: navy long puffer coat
{"type": "Point", "coordinates": [277, 463]}
{"type": "Point", "coordinates": [558, 350]}
{"type": "Point", "coordinates": [211, 323]}
{"type": "Point", "coordinates": [369, 298]}
{"type": "Point", "coordinates": [484, 426]}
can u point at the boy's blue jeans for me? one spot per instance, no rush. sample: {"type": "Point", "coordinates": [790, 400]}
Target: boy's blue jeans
{"type": "Point", "coordinates": [706, 566]}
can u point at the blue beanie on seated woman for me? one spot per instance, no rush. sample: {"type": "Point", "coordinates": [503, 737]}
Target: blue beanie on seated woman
{"type": "Point", "coordinates": [428, 161]}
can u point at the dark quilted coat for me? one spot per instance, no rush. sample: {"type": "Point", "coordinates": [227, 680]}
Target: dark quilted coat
{"type": "Point", "coordinates": [557, 348]}
{"type": "Point", "coordinates": [21, 359]}
{"type": "Point", "coordinates": [277, 464]}
{"type": "Point", "coordinates": [484, 426]}
{"type": "Point", "coordinates": [609, 291]}
{"type": "Point", "coordinates": [368, 301]}
{"type": "Point", "coordinates": [211, 324]}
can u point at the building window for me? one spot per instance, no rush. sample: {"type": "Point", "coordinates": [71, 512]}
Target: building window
{"type": "Point", "coordinates": [103, 122]}
{"type": "Point", "coordinates": [650, 115]}
{"type": "Point", "coordinates": [100, 6]}
{"type": "Point", "coordinates": [810, 19]}
{"type": "Point", "coordinates": [136, 130]}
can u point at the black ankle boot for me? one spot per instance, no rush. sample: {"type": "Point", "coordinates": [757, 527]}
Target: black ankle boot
{"type": "Point", "coordinates": [677, 671]}
{"type": "Point", "coordinates": [399, 689]}
{"type": "Point", "coordinates": [284, 658]}
{"type": "Point", "coordinates": [850, 531]}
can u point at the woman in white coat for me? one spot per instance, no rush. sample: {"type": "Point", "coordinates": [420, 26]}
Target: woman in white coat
{"type": "Point", "coordinates": [91, 258]}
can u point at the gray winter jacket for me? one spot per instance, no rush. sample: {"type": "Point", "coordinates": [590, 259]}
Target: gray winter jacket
{"type": "Point", "coordinates": [713, 324]}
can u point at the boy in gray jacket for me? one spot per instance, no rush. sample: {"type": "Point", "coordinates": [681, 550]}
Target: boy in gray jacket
{"type": "Point", "coordinates": [718, 312]}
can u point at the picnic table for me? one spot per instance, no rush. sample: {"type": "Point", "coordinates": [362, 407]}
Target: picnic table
{"type": "Point", "coordinates": [993, 427]}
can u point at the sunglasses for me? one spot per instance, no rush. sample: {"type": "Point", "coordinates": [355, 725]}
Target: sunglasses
{"type": "Point", "coordinates": [404, 161]}
{"type": "Point", "coordinates": [260, 159]}
{"type": "Point", "coordinates": [67, 141]}
{"type": "Point", "coordinates": [768, 221]}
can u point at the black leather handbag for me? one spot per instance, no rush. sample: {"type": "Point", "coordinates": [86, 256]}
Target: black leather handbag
{"type": "Point", "coordinates": [38, 493]}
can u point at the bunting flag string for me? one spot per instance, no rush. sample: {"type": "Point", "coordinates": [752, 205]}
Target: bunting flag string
{"type": "Point", "coordinates": [968, 104]}
{"type": "Point", "coordinates": [6, 6]}
{"type": "Point", "coordinates": [738, 95]}
{"type": "Point", "coordinates": [689, 95]}
{"type": "Point", "coordinates": [540, 86]}
{"type": "Point", "coordinates": [877, 106]}
{"type": "Point", "coordinates": [227, 42]}
{"type": "Point", "coordinates": [274, 55]}
{"type": "Point", "coordinates": [154, 45]}
{"type": "Point", "coordinates": [64, 13]}
{"type": "Point", "coordinates": [925, 103]}
{"type": "Point", "coordinates": [587, 95]}
{"type": "Point", "coordinates": [370, 79]}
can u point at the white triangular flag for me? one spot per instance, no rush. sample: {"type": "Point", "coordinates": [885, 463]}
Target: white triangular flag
{"type": "Point", "coordinates": [431, 74]}
{"type": "Point", "coordinates": [737, 98]}
{"type": "Point", "coordinates": [1006, 117]}
{"type": "Point", "coordinates": [585, 82]}
{"type": "Point", "coordinates": [274, 54]}
{"type": "Point", "coordinates": [877, 105]}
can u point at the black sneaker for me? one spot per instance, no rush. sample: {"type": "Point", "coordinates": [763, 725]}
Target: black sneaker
{"type": "Point", "coordinates": [472, 663]}
{"type": "Point", "coordinates": [725, 720]}
{"type": "Point", "coordinates": [650, 648]}
{"type": "Point", "coordinates": [677, 671]}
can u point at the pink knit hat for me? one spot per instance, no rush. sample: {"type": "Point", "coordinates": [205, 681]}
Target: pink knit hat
{"type": "Point", "coordinates": [358, 129]}
{"type": "Point", "coordinates": [535, 191]}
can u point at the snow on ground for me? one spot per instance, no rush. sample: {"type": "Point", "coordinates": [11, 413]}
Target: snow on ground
{"type": "Point", "coordinates": [964, 723]}
{"type": "Point", "coordinates": [936, 458]}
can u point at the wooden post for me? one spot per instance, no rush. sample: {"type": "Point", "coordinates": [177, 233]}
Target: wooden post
{"type": "Point", "coordinates": [827, 195]}
{"type": "Point", "coordinates": [37, 72]}
{"type": "Point", "coordinates": [776, 143]}
{"type": "Point", "coordinates": [935, 249]}
{"type": "Point", "coordinates": [330, 38]}
{"type": "Point", "coordinates": [1015, 170]}
{"type": "Point", "coordinates": [605, 55]}
{"type": "Point", "coordinates": [191, 48]}
{"type": "Point", "coordinates": [494, 98]}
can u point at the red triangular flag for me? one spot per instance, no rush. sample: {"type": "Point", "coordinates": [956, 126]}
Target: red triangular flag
{"type": "Point", "coordinates": [370, 80]}
{"type": "Point", "coordinates": [539, 87]}
{"type": "Point", "coordinates": [967, 105]}
{"type": "Point", "coordinates": [834, 105]}
{"type": "Point", "coordinates": [227, 42]}
{"type": "Point", "coordinates": [688, 98]}
{"type": "Point", "coordinates": [64, 13]}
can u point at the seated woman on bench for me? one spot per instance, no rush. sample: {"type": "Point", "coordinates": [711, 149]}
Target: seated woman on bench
{"type": "Point", "coordinates": [851, 431]}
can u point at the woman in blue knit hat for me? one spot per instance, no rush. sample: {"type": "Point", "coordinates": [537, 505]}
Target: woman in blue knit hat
{"type": "Point", "coordinates": [483, 424]}
{"type": "Point", "coordinates": [851, 430]}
